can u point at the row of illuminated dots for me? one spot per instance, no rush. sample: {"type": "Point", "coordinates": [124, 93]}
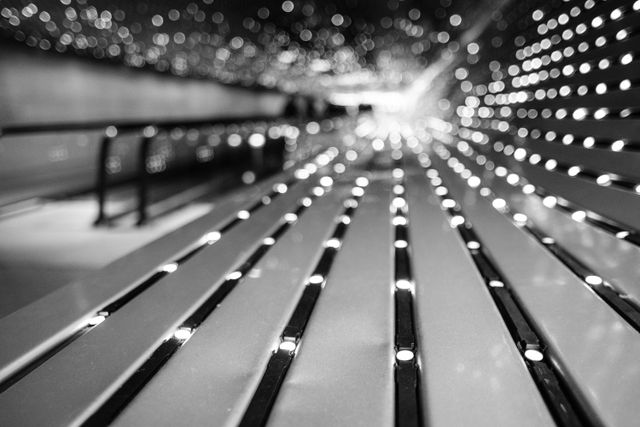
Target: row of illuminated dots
{"type": "Point", "coordinates": [467, 114]}
{"type": "Point", "coordinates": [553, 23]}
{"type": "Point", "coordinates": [521, 220]}
{"type": "Point", "coordinates": [588, 142]}
{"type": "Point", "coordinates": [533, 351]}
{"type": "Point", "coordinates": [579, 113]}
{"type": "Point", "coordinates": [211, 237]}
{"type": "Point", "coordinates": [493, 91]}
{"type": "Point", "coordinates": [255, 134]}
{"type": "Point", "coordinates": [548, 199]}
{"type": "Point", "coordinates": [521, 154]}
{"type": "Point", "coordinates": [157, 162]}
{"type": "Point", "coordinates": [114, 38]}
{"type": "Point", "coordinates": [566, 35]}
{"type": "Point", "coordinates": [403, 289]}
{"type": "Point", "coordinates": [581, 28]}
{"type": "Point", "coordinates": [563, 91]}
{"type": "Point", "coordinates": [290, 338]}
{"type": "Point", "coordinates": [503, 126]}
{"type": "Point", "coordinates": [513, 97]}
{"type": "Point", "coordinates": [568, 70]}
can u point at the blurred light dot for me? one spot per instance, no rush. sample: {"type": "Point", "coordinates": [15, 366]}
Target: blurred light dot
{"type": "Point", "coordinates": [211, 237]}
{"type": "Point", "coordinates": [499, 204]}
{"type": "Point", "coordinates": [404, 355]}
{"type": "Point", "coordinates": [290, 217]}
{"type": "Point", "coordinates": [457, 220]}
{"type": "Point", "coordinates": [533, 355]}
{"type": "Point", "coordinates": [256, 140]}
{"type": "Point", "coordinates": [473, 245]}
{"type": "Point", "coordinates": [234, 275]}
{"type": "Point", "coordinates": [96, 320]}
{"type": "Point", "coordinates": [326, 181]}
{"type": "Point", "coordinates": [169, 268]}
{"type": "Point", "coordinates": [579, 216]}
{"type": "Point", "coordinates": [183, 334]}
{"type": "Point", "coordinates": [287, 6]}
{"type": "Point", "coordinates": [455, 20]}
{"type": "Point", "coordinates": [400, 244]}
{"type": "Point", "coordinates": [316, 279]}
{"type": "Point", "coordinates": [403, 284]}
{"type": "Point", "coordinates": [593, 280]}
{"type": "Point", "coordinates": [362, 181]}
{"type": "Point", "coordinates": [287, 346]}
{"type": "Point", "coordinates": [333, 243]}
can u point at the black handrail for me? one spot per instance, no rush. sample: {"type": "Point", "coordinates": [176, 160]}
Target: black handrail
{"type": "Point", "coordinates": [125, 125]}
{"type": "Point", "coordinates": [148, 129]}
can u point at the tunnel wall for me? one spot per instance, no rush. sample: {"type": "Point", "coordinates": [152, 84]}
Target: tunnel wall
{"type": "Point", "coordinates": [39, 87]}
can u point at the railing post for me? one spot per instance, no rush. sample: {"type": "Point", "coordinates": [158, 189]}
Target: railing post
{"type": "Point", "coordinates": [101, 182]}
{"type": "Point", "coordinates": [148, 134]}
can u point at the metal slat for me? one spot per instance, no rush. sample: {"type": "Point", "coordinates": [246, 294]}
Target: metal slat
{"type": "Point", "coordinates": [614, 73]}
{"type": "Point", "coordinates": [595, 159]}
{"type": "Point", "coordinates": [619, 205]}
{"type": "Point", "coordinates": [614, 259]}
{"type": "Point", "coordinates": [38, 327]}
{"type": "Point", "coordinates": [75, 381]}
{"type": "Point", "coordinates": [605, 128]}
{"type": "Point", "coordinates": [572, 319]}
{"type": "Point", "coordinates": [613, 206]}
{"type": "Point", "coordinates": [342, 374]}
{"type": "Point", "coordinates": [469, 354]}
{"type": "Point", "coordinates": [259, 408]}
{"type": "Point", "coordinates": [210, 380]}
{"type": "Point", "coordinates": [615, 99]}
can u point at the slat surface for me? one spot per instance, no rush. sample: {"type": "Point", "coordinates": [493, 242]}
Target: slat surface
{"type": "Point", "coordinates": [342, 374]}
{"type": "Point", "coordinates": [601, 160]}
{"type": "Point", "coordinates": [606, 128]}
{"type": "Point", "coordinates": [68, 386]}
{"type": "Point", "coordinates": [613, 259]}
{"type": "Point", "coordinates": [619, 205]}
{"type": "Point", "coordinates": [37, 327]}
{"type": "Point", "coordinates": [467, 350]}
{"type": "Point", "coordinates": [210, 380]}
{"type": "Point", "coordinates": [570, 316]}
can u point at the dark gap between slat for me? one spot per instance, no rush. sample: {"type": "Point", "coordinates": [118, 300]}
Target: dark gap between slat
{"type": "Point", "coordinates": [259, 408]}
{"type": "Point", "coordinates": [116, 403]}
{"type": "Point", "coordinates": [561, 399]}
{"type": "Point", "coordinates": [408, 411]}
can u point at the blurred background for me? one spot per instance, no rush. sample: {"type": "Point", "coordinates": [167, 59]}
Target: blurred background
{"type": "Point", "coordinates": [155, 155]}
{"type": "Point", "coordinates": [210, 74]}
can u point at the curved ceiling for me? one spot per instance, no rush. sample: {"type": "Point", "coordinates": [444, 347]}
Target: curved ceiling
{"type": "Point", "coordinates": [313, 47]}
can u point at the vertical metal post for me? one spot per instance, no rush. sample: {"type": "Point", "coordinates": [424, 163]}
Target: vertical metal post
{"type": "Point", "coordinates": [257, 161]}
{"type": "Point", "coordinates": [101, 180]}
{"type": "Point", "coordinates": [274, 154]}
{"type": "Point", "coordinates": [149, 134]}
